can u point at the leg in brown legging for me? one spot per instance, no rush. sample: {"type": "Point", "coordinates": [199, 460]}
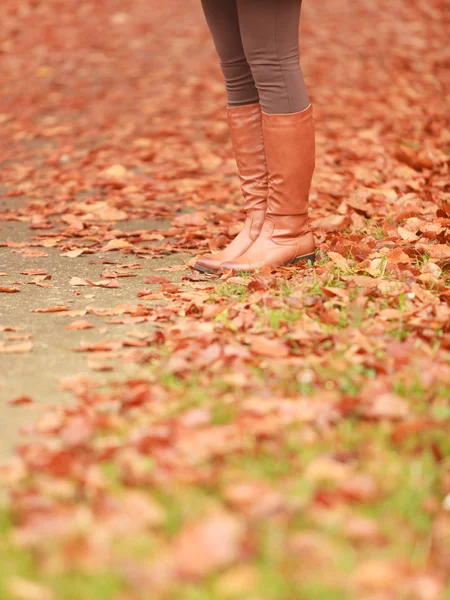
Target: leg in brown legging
{"type": "Point", "coordinates": [270, 36]}
{"type": "Point", "coordinates": [257, 42]}
{"type": "Point", "coordinates": [223, 22]}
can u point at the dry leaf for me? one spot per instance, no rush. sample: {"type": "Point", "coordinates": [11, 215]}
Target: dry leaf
{"type": "Point", "coordinates": [268, 347]}
{"type": "Point", "coordinates": [387, 406]}
{"type": "Point", "coordinates": [16, 348]}
{"type": "Point", "coordinates": [339, 260]}
{"type": "Point", "coordinates": [210, 544]}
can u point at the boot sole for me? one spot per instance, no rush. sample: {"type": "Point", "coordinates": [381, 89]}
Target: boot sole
{"type": "Point", "coordinates": [206, 270]}
{"type": "Point", "coordinates": [306, 257]}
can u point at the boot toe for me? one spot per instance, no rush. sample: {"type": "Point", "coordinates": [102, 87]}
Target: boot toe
{"type": "Point", "coordinates": [207, 264]}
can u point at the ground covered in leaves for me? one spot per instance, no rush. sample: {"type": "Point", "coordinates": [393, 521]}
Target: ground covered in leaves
{"type": "Point", "coordinates": [284, 436]}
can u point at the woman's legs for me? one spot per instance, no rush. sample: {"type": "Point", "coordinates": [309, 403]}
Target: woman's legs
{"type": "Point", "coordinates": [223, 22]}
{"type": "Point", "coordinates": [270, 32]}
{"type": "Point", "coordinates": [257, 43]}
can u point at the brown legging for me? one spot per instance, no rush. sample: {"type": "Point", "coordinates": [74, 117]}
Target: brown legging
{"type": "Point", "coordinates": [257, 43]}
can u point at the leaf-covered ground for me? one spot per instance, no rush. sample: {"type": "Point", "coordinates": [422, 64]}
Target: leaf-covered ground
{"type": "Point", "coordinates": [285, 436]}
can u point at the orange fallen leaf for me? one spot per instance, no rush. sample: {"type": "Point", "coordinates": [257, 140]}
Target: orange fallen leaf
{"type": "Point", "coordinates": [339, 260]}
{"type": "Point", "coordinates": [331, 223]}
{"type": "Point", "coordinates": [324, 468]}
{"type": "Point", "coordinates": [79, 325]}
{"type": "Point", "coordinates": [76, 253]}
{"type": "Point", "coordinates": [254, 498]}
{"type": "Point", "coordinates": [77, 281]}
{"type": "Point", "coordinates": [268, 347]}
{"type": "Point", "coordinates": [18, 336]}
{"type": "Point", "coordinates": [377, 575]}
{"type": "Point", "coordinates": [109, 213]}
{"type": "Point", "coordinates": [387, 406]}
{"type": "Point", "coordinates": [173, 268]}
{"type": "Point", "coordinates": [49, 309]}
{"type": "Point", "coordinates": [335, 291]}
{"type": "Point", "coordinates": [25, 589]}
{"type": "Point", "coordinates": [34, 272]}
{"type": "Point", "coordinates": [16, 348]}
{"type": "Point", "coordinates": [438, 251]}
{"type": "Point", "coordinates": [208, 545]}
{"type": "Point", "coordinates": [361, 529]}
{"type": "Point", "coordinates": [20, 401]}
{"type": "Point", "coordinates": [111, 283]}
{"type": "Point", "coordinates": [115, 244]}
{"type": "Point", "coordinates": [257, 284]}
{"type": "Point", "coordinates": [116, 172]}
{"type": "Point", "coordinates": [155, 279]}
{"type": "Point", "coordinates": [424, 295]}
{"type": "Point", "coordinates": [397, 257]}
{"type": "Point", "coordinates": [196, 218]}
{"type": "Point", "coordinates": [407, 235]}
{"type": "Point", "coordinates": [359, 488]}
{"type": "Point", "coordinates": [376, 267]}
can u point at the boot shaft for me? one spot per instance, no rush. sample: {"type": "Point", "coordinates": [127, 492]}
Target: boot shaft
{"type": "Point", "coordinates": [289, 143]}
{"type": "Point", "coordinates": [245, 125]}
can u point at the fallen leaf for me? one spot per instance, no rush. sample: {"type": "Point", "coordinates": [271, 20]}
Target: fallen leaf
{"type": "Point", "coordinates": [376, 267]}
{"type": "Point", "coordinates": [377, 575]}
{"type": "Point", "coordinates": [386, 406]}
{"type": "Point", "coordinates": [115, 244]}
{"type": "Point", "coordinates": [75, 253]}
{"type": "Point", "coordinates": [25, 589]}
{"type": "Point", "coordinates": [208, 545]}
{"type": "Point", "coordinates": [50, 309]}
{"type": "Point", "coordinates": [397, 256]}
{"type": "Point", "coordinates": [268, 347]}
{"type": "Point", "coordinates": [407, 235]}
{"type": "Point", "coordinates": [76, 281]}
{"type": "Point", "coordinates": [20, 400]}
{"type": "Point", "coordinates": [339, 260]}
{"type": "Point", "coordinates": [16, 348]}
{"type": "Point", "coordinates": [79, 325]}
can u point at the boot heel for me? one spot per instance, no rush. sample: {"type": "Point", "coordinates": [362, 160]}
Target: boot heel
{"type": "Point", "coordinates": [306, 257]}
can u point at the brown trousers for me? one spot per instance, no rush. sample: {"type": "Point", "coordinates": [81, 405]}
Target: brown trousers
{"type": "Point", "coordinates": [257, 43]}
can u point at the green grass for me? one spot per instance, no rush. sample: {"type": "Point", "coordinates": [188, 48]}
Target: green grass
{"type": "Point", "coordinates": [276, 317]}
{"type": "Point", "coordinates": [378, 233]}
{"type": "Point", "coordinates": [73, 585]}
{"type": "Point", "coordinates": [230, 290]}
{"type": "Point", "coordinates": [13, 561]}
{"type": "Point", "coordinates": [82, 586]}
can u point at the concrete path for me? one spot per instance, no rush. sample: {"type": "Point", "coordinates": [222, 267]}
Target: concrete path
{"type": "Point", "coordinates": [37, 373]}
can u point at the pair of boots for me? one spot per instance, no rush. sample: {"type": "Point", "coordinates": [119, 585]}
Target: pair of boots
{"type": "Point", "coordinates": [275, 156]}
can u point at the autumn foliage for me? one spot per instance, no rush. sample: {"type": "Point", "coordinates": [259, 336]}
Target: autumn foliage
{"type": "Point", "coordinates": [284, 436]}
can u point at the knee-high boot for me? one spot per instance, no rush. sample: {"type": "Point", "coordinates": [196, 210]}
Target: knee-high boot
{"type": "Point", "coordinates": [286, 236]}
{"type": "Point", "coordinates": [245, 125]}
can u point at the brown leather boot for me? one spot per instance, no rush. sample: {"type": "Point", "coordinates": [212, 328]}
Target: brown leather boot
{"type": "Point", "coordinates": [286, 236]}
{"type": "Point", "coordinates": [247, 140]}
